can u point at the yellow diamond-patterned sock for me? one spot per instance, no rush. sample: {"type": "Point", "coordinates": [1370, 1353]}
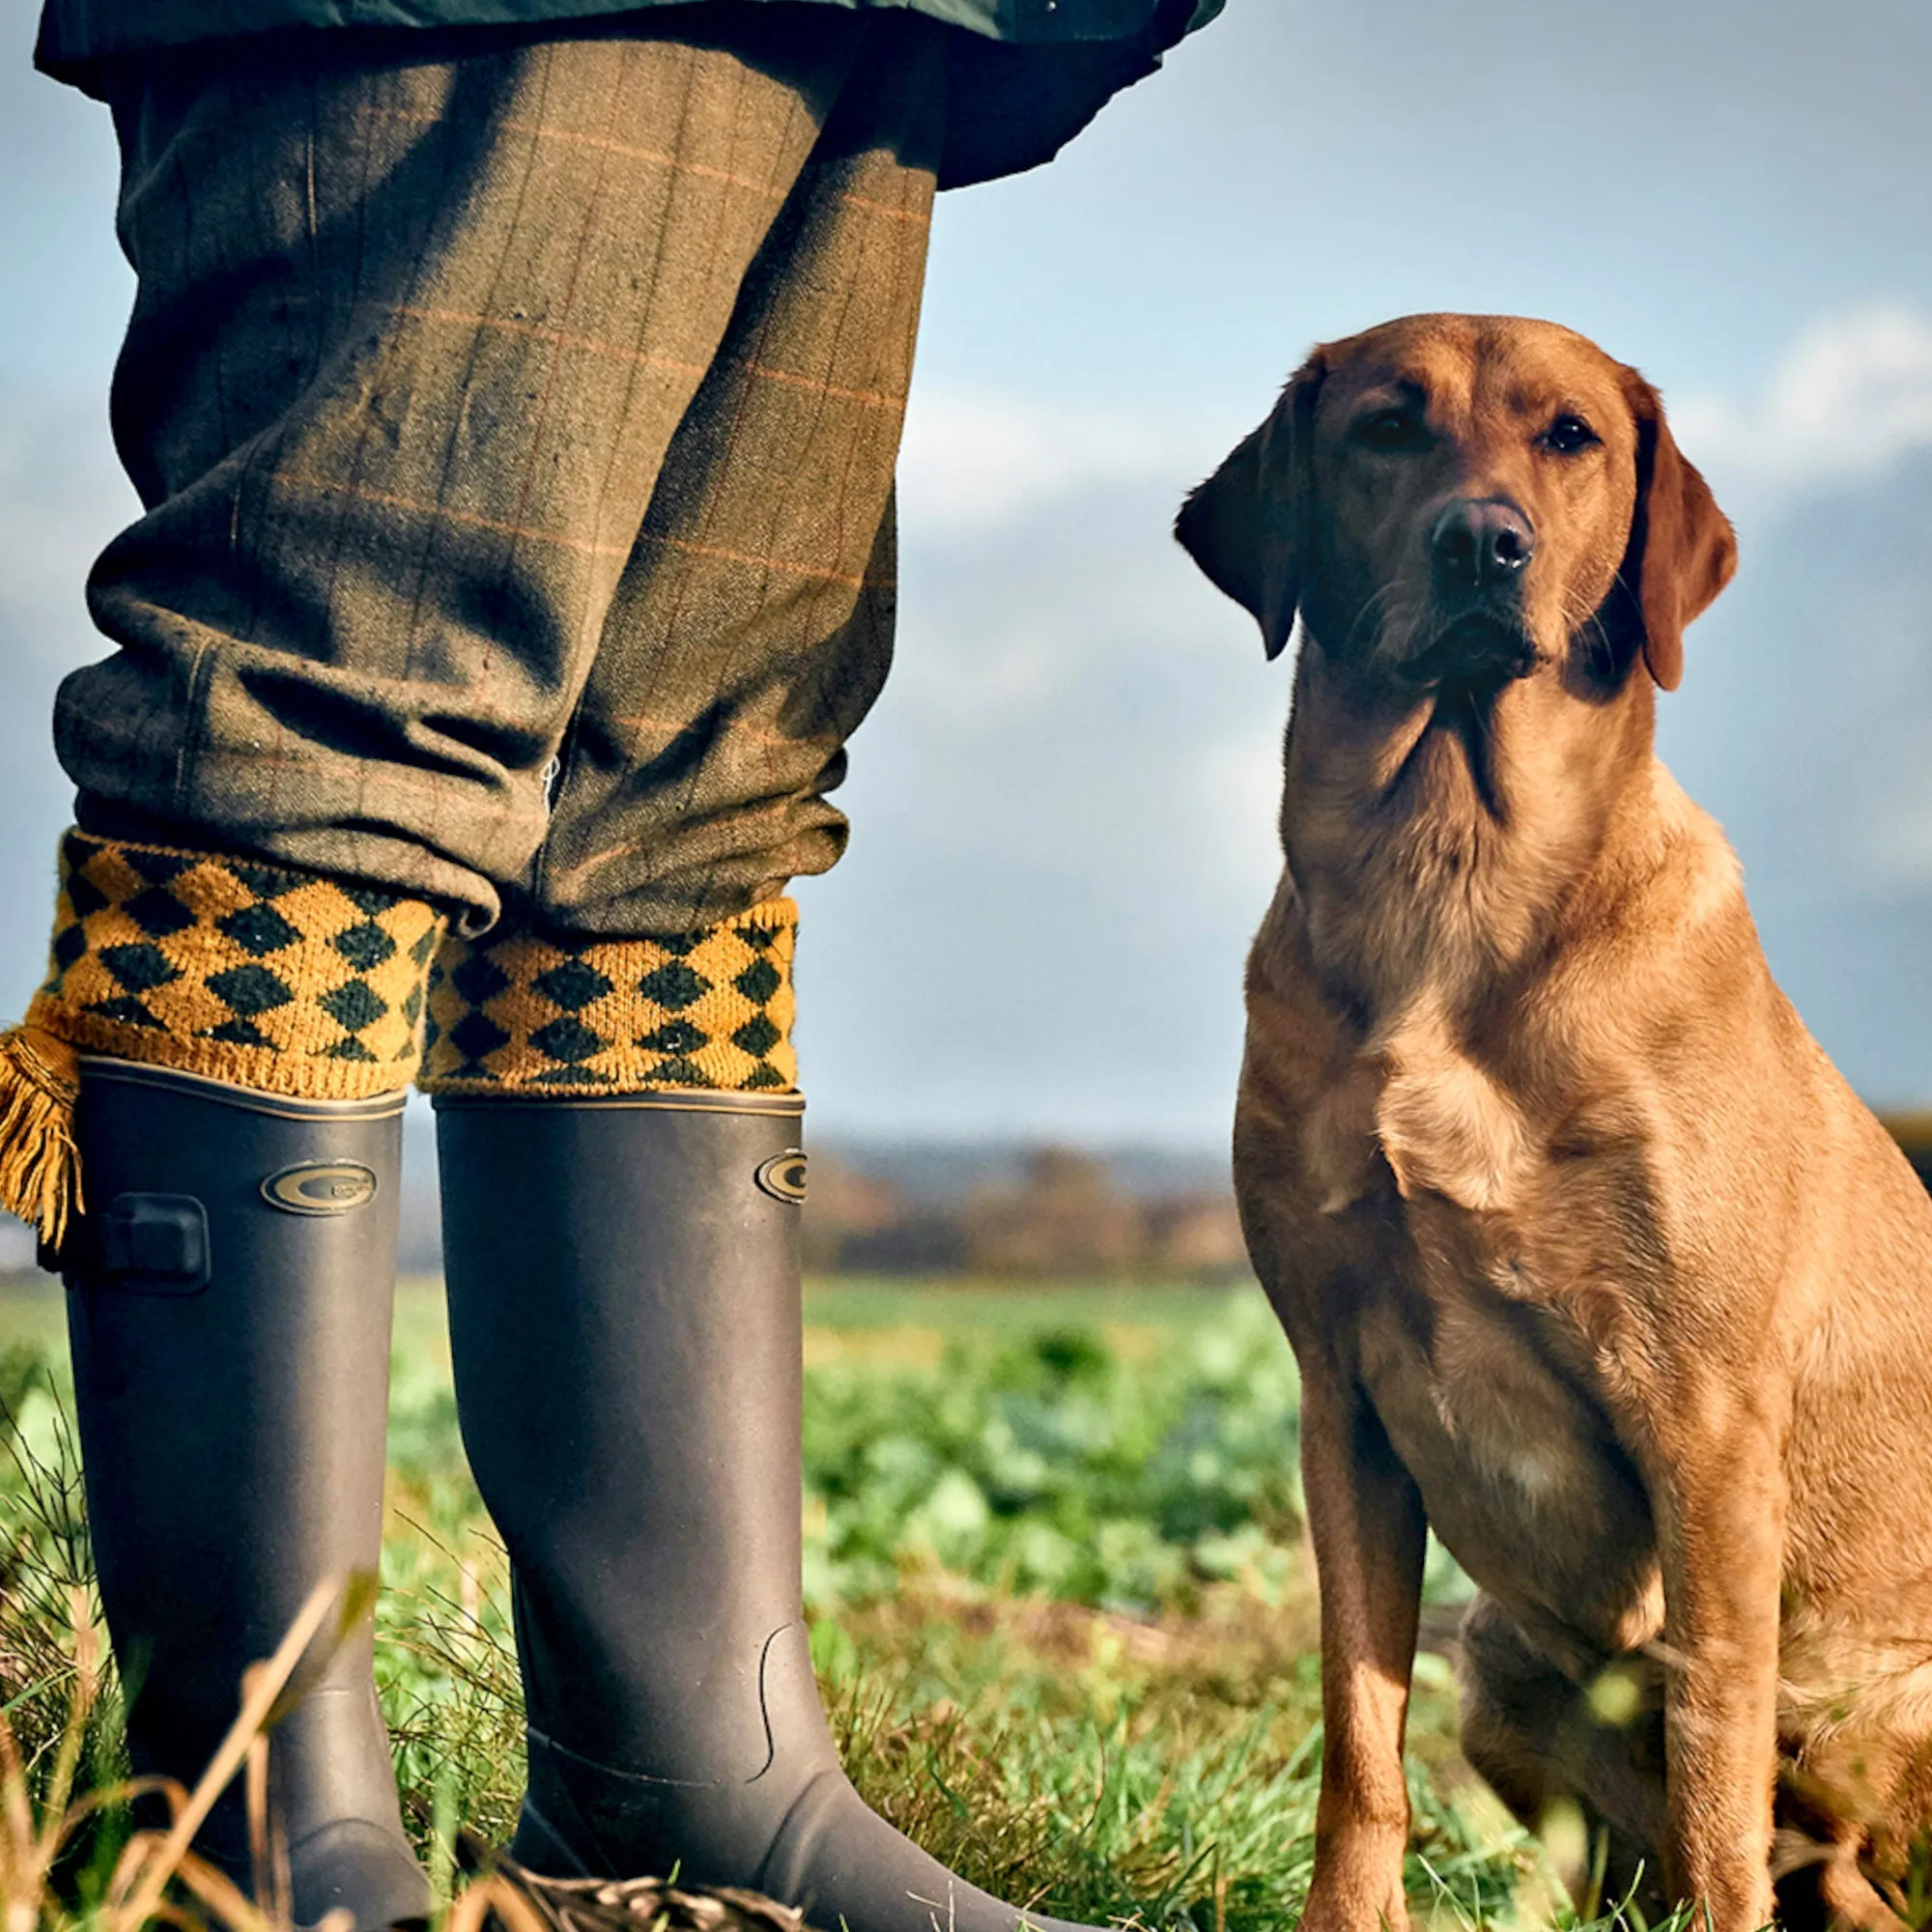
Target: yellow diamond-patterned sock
{"type": "Point", "coordinates": [518, 1013]}
{"type": "Point", "coordinates": [271, 979]}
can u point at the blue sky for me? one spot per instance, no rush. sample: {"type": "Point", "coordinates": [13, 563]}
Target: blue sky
{"type": "Point", "coordinates": [1063, 806]}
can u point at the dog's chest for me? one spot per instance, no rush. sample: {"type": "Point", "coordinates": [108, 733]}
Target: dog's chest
{"type": "Point", "coordinates": [1488, 1399]}
{"type": "Point", "coordinates": [1416, 1109]}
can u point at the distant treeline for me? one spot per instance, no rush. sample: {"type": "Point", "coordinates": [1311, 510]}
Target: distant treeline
{"type": "Point", "coordinates": [1044, 1214]}
{"type": "Point", "coordinates": [1063, 1213]}
{"type": "Point", "coordinates": [1913, 1133]}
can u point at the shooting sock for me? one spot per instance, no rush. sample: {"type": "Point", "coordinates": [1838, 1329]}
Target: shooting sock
{"type": "Point", "coordinates": [516, 1013]}
{"type": "Point", "coordinates": [276, 980]}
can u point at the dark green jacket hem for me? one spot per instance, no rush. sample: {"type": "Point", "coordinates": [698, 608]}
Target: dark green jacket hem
{"type": "Point", "coordinates": [1026, 75]}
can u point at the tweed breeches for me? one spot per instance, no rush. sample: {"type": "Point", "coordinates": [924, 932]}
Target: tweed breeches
{"type": "Point", "coordinates": [515, 416]}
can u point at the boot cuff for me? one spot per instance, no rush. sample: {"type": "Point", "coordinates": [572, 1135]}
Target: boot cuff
{"type": "Point", "coordinates": [519, 1012]}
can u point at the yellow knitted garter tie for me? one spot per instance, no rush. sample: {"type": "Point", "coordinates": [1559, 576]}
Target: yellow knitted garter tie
{"type": "Point", "coordinates": [268, 977]}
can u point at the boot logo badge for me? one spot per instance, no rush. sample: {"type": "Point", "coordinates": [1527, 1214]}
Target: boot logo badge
{"type": "Point", "coordinates": [783, 1176]}
{"type": "Point", "coordinates": [319, 1187]}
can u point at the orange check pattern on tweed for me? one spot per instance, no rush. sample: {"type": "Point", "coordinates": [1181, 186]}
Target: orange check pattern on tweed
{"type": "Point", "coordinates": [514, 1013]}
{"type": "Point", "coordinates": [573, 384]}
{"type": "Point", "coordinates": [269, 978]}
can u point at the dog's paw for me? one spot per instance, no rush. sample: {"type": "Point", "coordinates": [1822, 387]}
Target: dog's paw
{"type": "Point", "coordinates": [1356, 1902]}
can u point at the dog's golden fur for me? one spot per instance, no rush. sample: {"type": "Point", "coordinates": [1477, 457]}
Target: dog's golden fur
{"type": "Point", "coordinates": [1590, 1258]}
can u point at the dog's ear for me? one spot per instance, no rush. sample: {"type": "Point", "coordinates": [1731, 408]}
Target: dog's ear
{"type": "Point", "coordinates": [1247, 525]}
{"type": "Point", "coordinates": [1681, 548]}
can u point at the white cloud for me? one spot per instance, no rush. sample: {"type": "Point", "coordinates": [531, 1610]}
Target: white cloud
{"type": "Point", "coordinates": [1850, 397]}
{"type": "Point", "coordinates": [1238, 785]}
{"type": "Point", "coordinates": [62, 495]}
{"type": "Point", "coordinates": [968, 461]}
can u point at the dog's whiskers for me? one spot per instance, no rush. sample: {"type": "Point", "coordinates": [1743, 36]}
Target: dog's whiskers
{"type": "Point", "coordinates": [1585, 626]}
{"type": "Point", "coordinates": [1374, 614]}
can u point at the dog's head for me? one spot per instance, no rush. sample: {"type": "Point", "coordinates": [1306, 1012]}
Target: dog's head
{"type": "Point", "coordinates": [1453, 500]}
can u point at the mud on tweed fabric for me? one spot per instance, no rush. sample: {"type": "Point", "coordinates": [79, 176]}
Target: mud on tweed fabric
{"type": "Point", "coordinates": [516, 414]}
{"type": "Point", "coordinates": [514, 1014]}
{"type": "Point", "coordinates": [264, 976]}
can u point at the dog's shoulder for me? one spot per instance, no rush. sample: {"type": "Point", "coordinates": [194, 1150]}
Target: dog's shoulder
{"type": "Point", "coordinates": [1657, 946]}
{"type": "Point", "coordinates": [1304, 1116]}
{"type": "Point", "coordinates": [1682, 877]}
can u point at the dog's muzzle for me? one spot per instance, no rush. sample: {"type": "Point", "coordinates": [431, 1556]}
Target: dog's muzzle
{"type": "Point", "coordinates": [1477, 650]}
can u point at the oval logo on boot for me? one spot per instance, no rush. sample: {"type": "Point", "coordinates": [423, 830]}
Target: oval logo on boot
{"type": "Point", "coordinates": [319, 1187]}
{"type": "Point", "coordinates": [783, 1176]}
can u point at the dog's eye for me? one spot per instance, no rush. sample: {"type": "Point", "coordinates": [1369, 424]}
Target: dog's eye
{"type": "Point", "coordinates": [1569, 434]}
{"type": "Point", "coordinates": [1389, 429]}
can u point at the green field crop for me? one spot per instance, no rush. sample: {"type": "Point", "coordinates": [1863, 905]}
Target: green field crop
{"type": "Point", "coordinates": [1061, 1606]}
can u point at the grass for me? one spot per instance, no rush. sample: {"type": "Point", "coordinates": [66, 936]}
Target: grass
{"type": "Point", "coordinates": [1061, 1607]}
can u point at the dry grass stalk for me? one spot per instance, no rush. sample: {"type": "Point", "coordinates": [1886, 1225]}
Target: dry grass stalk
{"type": "Point", "coordinates": [263, 1685]}
{"type": "Point", "coordinates": [493, 1897]}
{"type": "Point", "coordinates": [136, 1893]}
{"type": "Point", "coordinates": [28, 1847]}
{"type": "Point", "coordinates": [136, 1898]}
{"type": "Point", "coordinates": [627, 1905]}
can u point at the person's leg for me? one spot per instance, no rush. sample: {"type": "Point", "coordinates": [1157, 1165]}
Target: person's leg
{"type": "Point", "coordinates": [229, 1318]}
{"type": "Point", "coordinates": [416, 322]}
{"type": "Point", "coordinates": [419, 316]}
{"type": "Point", "coordinates": [626, 1328]}
{"type": "Point", "coordinates": [238, 1120]}
{"type": "Point", "coordinates": [617, 1108]}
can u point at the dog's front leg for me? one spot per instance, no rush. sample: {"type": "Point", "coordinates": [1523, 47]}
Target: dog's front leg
{"type": "Point", "coordinates": [1365, 1514]}
{"type": "Point", "coordinates": [1717, 1487]}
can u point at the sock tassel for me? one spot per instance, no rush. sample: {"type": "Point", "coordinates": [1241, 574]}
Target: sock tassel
{"type": "Point", "coordinates": [39, 1164]}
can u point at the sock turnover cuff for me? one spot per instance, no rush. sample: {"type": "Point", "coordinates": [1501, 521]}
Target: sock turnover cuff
{"type": "Point", "coordinates": [265, 976]}
{"type": "Point", "coordinates": [522, 1012]}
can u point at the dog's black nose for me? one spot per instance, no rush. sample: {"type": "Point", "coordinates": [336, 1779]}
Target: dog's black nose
{"type": "Point", "coordinates": [1479, 540]}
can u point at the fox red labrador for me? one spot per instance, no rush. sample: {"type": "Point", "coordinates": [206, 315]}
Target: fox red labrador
{"type": "Point", "coordinates": [1590, 1258]}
